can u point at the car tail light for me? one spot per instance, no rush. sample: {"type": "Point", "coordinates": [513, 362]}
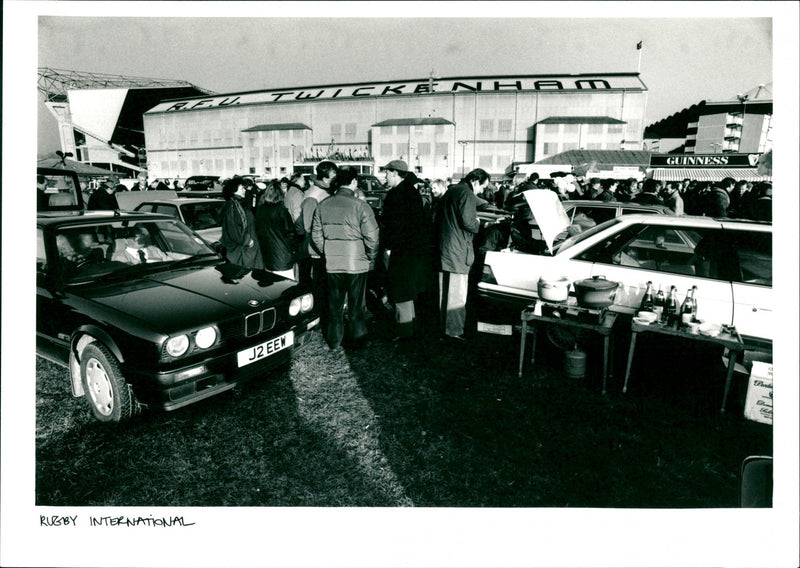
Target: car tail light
{"type": "Point", "coordinates": [487, 275]}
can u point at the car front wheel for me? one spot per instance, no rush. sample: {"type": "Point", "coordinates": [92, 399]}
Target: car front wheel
{"type": "Point", "coordinates": [108, 394]}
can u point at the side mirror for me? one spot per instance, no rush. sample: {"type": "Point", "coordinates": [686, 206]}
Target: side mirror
{"type": "Point", "coordinates": [755, 482]}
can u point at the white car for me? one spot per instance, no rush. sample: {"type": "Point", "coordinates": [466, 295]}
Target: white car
{"type": "Point", "coordinates": [729, 261]}
{"type": "Point", "coordinates": [202, 215]}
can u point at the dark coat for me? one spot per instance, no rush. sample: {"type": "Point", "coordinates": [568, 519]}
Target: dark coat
{"type": "Point", "coordinates": [716, 202]}
{"type": "Point", "coordinates": [237, 232]}
{"type": "Point", "coordinates": [276, 236]}
{"type": "Point", "coordinates": [101, 199]}
{"type": "Point", "coordinates": [458, 228]}
{"type": "Point", "coordinates": [403, 232]}
{"type": "Point", "coordinates": [646, 198]}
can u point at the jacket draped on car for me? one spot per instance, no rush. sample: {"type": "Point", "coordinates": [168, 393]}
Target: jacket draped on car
{"type": "Point", "coordinates": [345, 230]}
{"type": "Point", "coordinates": [459, 225]}
{"type": "Point", "coordinates": [276, 236]}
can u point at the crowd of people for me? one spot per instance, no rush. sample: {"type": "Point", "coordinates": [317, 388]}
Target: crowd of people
{"type": "Point", "coordinates": [326, 236]}
{"type": "Point", "coordinates": [320, 231]}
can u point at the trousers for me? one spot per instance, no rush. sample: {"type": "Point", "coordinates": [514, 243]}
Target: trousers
{"type": "Point", "coordinates": [353, 288]}
{"type": "Point", "coordinates": [452, 302]}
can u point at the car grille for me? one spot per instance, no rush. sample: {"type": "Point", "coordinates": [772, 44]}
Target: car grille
{"type": "Point", "coordinates": [259, 322]}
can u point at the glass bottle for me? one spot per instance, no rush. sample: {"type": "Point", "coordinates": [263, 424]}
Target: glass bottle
{"type": "Point", "coordinates": [659, 303]}
{"type": "Point", "coordinates": [648, 303]}
{"type": "Point", "coordinates": [672, 309]}
{"type": "Point", "coordinates": [694, 303]}
{"type": "Point", "coordinates": [687, 309]}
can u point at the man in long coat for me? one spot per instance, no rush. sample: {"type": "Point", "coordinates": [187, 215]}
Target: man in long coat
{"type": "Point", "coordinates": [459, 225]}
{"type": "Point", "coordinates": [403, 237]}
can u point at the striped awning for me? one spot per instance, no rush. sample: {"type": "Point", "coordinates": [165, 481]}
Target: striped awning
{"type": "Point", "coordinates": [708, 174]}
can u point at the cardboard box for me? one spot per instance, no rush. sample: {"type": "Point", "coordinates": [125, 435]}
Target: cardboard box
{"type": "Point", "coordinates": [758, 402]}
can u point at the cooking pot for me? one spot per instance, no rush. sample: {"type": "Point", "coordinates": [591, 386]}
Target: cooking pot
{"type": "Point", "coordinates": [553, 289]}
{"type": "Point", "coordinates": [595, 292]}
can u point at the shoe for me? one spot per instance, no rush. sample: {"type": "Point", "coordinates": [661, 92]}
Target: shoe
{"type": "Point", "coordinates": [458, 338]}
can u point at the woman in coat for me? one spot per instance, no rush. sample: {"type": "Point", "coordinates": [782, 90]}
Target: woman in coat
{"type": "Point", "coordinates": [238, 234]}
{"type": "Point", "coordinates": [275, 233]}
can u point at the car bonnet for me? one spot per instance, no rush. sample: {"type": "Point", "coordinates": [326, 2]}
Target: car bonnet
{"type": "Point", "coordinates": [548, 212]}
{"type": "Point", "coordinates": [181, 299]}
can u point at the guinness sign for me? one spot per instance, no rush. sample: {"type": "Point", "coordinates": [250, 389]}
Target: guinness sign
{"type": "Point", "coordinates": [704, 160]}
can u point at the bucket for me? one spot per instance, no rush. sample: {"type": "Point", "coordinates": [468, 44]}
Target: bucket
{"type": "Point", "coordinates": [575, 363]}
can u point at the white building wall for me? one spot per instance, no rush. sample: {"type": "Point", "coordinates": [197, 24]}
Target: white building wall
{"type": "Point", "coordinates": [497, 129]}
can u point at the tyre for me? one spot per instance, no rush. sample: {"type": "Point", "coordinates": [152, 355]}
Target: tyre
{"type": "Point", "coordinates": [106, 391]}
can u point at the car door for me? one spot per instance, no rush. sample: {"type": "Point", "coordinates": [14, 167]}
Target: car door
{"type": "Point", "coordinates": [752, 281]}
{"type": "Point", "coordinates": [50, 341]}
{"type": "Point", "coordinates": [665, 255]}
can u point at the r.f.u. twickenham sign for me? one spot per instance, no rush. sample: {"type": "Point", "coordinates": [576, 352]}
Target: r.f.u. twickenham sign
{"type": "Point", "coordinates": [542, 83]}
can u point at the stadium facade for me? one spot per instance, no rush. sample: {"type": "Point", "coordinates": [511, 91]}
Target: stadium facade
{"type": "Point", "coordinates": [441, 126]}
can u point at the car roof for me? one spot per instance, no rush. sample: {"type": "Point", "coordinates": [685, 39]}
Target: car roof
{"type": "Point", "coordinates": [182, 201]}
{"type": "Point", "coordinates": [608, 204]}
{"type": "Point", "coordinates": [694, 221]}
{"type": "Point", "coordinates": [57, 218]}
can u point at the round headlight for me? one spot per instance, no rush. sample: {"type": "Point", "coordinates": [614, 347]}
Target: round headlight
{"type": "Point", "coordinates": [294, 307]}
{"type": "Point", "coordinates": [307, 302]}
{"type": "Point", "coordinates": [206, 337]}
{"type": "Point", "coordinates": [177, 346]}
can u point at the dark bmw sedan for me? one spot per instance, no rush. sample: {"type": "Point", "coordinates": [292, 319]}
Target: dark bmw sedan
{"type": "Point", "coordinates": [144, 313]}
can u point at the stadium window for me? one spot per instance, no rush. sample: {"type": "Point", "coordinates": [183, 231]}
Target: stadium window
{"type": "Point", "coordinates": [504, 128]}
{"type": "Point", "coordinates": [419, 128]}
{"type": "Point", "coordinates": [551, 128]}
{"type": "Point", "coordinates": [284, 134]}
{"type": "Point", "coordinates": [402, 149]}
{"type": "Point", "coordinates": [594, 146]}
{"type": "Point", "coordinates": [403, 129]}
{"type": "Point", "coordinates": [386, 149]}
{"type": "Point", "coordinates": [485, 162]}
{"type": "Point", "coordinates": [423, 149]}
{"type": "Point", "coordinates": [350, 131]}
{"type": "Point", "coordinates": [441, 148]}
{"type": "Point", "coordinates": [613, 146]}
{"type": "Point", "coordinates": [336, 130]}
{"type": "Point", "coordinates": [615, 129]}
{"type": "Point", "coordinates": [595, 129]}
{"type": "Point", "coordinates": [229, 164]}
{"type": "Point", "coordinates": [387, 129]}
{"type": "Point", "coordinates": [570, 146]}
{"type": "Point", "coordinates": [571, 128]}
{"type": "Point", "coordinates": [549, 148]}
{"type": "Point", "coordinates": [486, 126]}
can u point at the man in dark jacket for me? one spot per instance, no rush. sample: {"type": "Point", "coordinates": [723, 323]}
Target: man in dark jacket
{"type": "Point", "coordinates": [345, 230]}
{"type": "Point", "coordinates": [458, 228]}
{"type": "Point", "coordinates": [649, 194]}
{"type": "Point", "coordinates": [103, 197]}
{"type": "Point", "coordinates": [718, 199]}
{"type": "Point", "coordinates": [403, 238]}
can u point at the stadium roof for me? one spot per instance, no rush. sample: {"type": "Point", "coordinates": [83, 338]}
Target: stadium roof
{"type": "Point", "coordinates": [54, 83]}
{"type": "Point", "coordinates": [604, 157]}
{"type": "Point", "coordinates": [269, 127]}
{"type": "Point", "coordinates": [580, 120]}
{"type": "Point", "coordinates": [413, 121]}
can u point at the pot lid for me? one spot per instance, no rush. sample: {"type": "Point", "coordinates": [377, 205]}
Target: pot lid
{"type": "Point", "coordinates": [597, 283]}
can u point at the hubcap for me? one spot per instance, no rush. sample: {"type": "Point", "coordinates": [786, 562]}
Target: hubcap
{"type": "Point", "coordinates": [99, 387]}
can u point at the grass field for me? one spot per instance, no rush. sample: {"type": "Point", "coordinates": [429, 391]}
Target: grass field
{"type": "Point", "coordinates": [429, 424]}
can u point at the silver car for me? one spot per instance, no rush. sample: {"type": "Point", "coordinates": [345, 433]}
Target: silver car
{"type": "Point", "coordinates": [202, 215]}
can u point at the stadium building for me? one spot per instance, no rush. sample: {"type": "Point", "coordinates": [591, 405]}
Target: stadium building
{"type": "Point", "coordinates": [442, 127]}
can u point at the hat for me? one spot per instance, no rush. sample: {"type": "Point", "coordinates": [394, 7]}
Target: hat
{"type": "Point", "coordinates": [261, 185]}
{"type": "Point", "coordinates": [396, 165]}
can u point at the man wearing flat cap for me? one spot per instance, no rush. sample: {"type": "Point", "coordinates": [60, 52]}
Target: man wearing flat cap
{"type": "Point", "coordinates": [403, 237]}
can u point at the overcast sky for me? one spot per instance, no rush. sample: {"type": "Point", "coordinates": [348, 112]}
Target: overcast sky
{"type": "Point", "coordinates": [683, 61]}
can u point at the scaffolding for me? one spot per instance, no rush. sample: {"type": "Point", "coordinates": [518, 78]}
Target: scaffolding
{"type": "Point", "coordinates": [54, 83]}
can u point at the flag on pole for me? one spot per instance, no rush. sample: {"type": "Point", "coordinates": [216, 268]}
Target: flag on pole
{"type": "Point", "coordinates": [639, 45]}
